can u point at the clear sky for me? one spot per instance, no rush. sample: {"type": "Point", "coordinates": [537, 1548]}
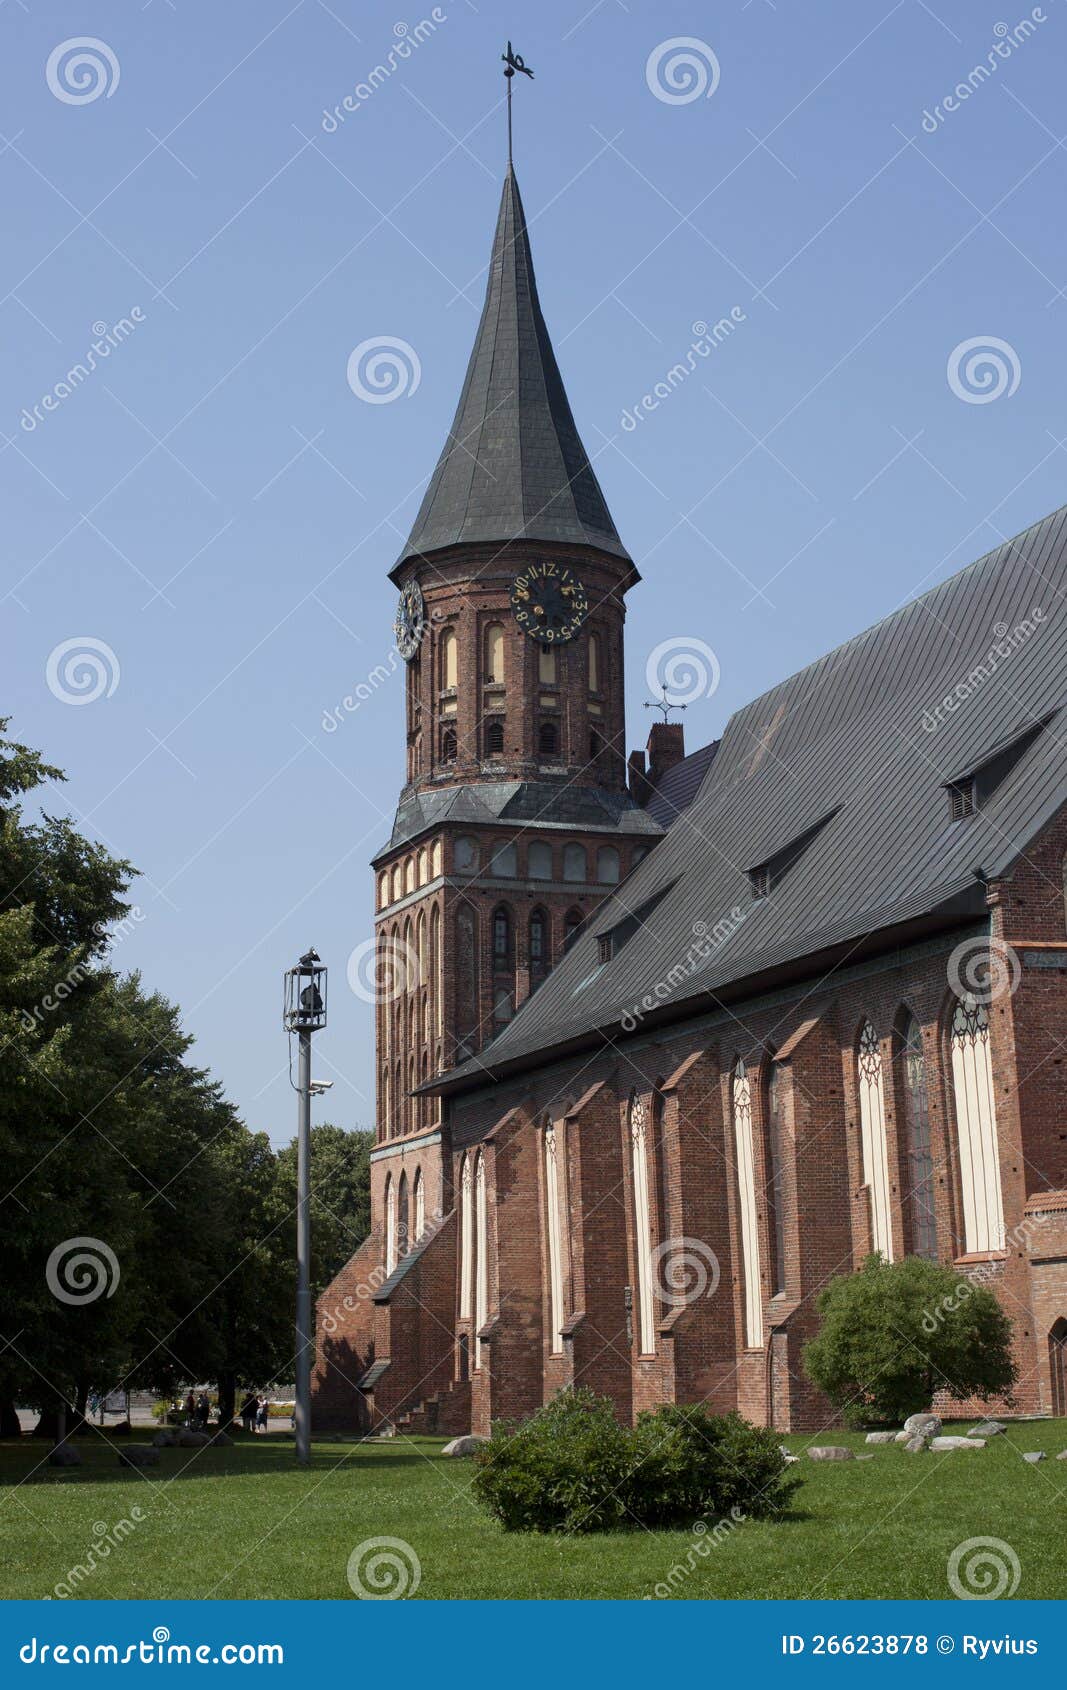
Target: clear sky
{"type": "Point", "coordinates": [217, 507]}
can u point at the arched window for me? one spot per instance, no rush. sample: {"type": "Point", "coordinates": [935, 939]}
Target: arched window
{"type": "Point", "coordinates": [383, 891]}
{"type": "Point", "coordinates": [494, 738]}
{"type": "Point", "coordinates": [413, 1102]}
{"type": "Point", "coordinates": [596, 745]}
{"type": "Point", "coordinates": [465, 969]}
{"type": "Point", "coordinates": [435, 858]}
{"type": "Point", "coordinates": [435, 954]}
{"type": "Point", "coordinates": [572, 927]}
{"type": "Point", "coordinates": [494, 653]}
{"type": "Point", "coordinates": [387, 1107]}
{"type": "Point", "coordinates": [420, 948]}
{"type": "Point", "coordinates": [398, 883]}
{"type": "Point", "coordinates": [449, 661]}
{"type": "Point", "coordinates": [503, 1007]}
{"type": "Point", "coordinates": [920, 1219]}
{"type": "Point", "coordinates": [539, 945]}
{"type": "Point", "coordinates": [546, 665]}
{"type": "Point", "coordinates": [1057, 1366]}
{"type": "Point", "coordinates": [539, 861]}
{"type": "Point", "coordinates": [871, 1086]}
{"type": "Point", "coordinates": [466, 1237]}
{"type": "Point", "coordinates": [390, 1224]}
{"type": "Point", "coordinates": [424, 866]}
{"type": "Point", "coordinates": [554, 1177]}
{"type": "Point", "coordinates": [607, 865]}
{"type": "Point", "coordinates": [481, 1251]}
{"type": "Point", "coordinates": [465, 855]}
{"type": "Point", "coordinates": [501, 936]}
{"type": "Point", "coordinates": [775, 1117]}
{"type": "Point", "coordinates": [594, 663]}
{"type": "Point", "coordinates": [746, 1193]}
{"type": "Point", "coordinates": [409, 874]}
{"type": "Point", "coordinates": [548, 740]}
{"type": "Point", "coordinates": [574, 862]}
{"type": "Point", "coordinates": [646, 1314]}
{"type": "Point", "coordinates": [976, 1126]}
{"type": "Point", "coordinates": [402, 1221]}
{"type": "Point", "coordinates": [505, 861]}
{"type": "Point", "coordinates": [449, 745]}
{"type": "Point", "coordinates": [398, 1103]}
{"type": "Point", "coordinates": [420, 1205]}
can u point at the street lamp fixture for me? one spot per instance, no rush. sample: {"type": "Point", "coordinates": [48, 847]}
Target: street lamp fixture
{"type": "Point", "coordinates": [304, 1013]}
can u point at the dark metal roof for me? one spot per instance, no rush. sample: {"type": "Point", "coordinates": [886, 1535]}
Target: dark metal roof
{"type": "Point", "coordinates": [863, 740]}
{"type": "Point", "coordinates": [523, 804]}
{"type": "Point", "coordinates": [680, 785]}
{"type": "Point", "coordinates": [513, 465]}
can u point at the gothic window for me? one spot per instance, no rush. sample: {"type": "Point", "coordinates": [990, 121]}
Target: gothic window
{"type": "Point", "coordinates": [548, 740]}
{"type": "Point", "coordinates": [574, 862]}
{"type": "Point", "coordinates": [465, 855]}
{"type": "Point", "coordinates": [398, 1103]}
{"type": "Point", "coordinates": [386, 1104]}
{"type": "Point", "coordinates": [607, 865]}
{"type": "Point", "coordinates": [420, 931]}
{"type": "Point", "coordinates": [646, 1314]}
{"type": "Point", "coordinates": [871, 1086]}
{"type": "Point", "coordinates": [546, 665]}
{"type": "Point", "coordinates": [398, 883]}
{"type": "Point", "coordinates": [424, 867]}
{"type": "Point", "coordinates": [572, 927]}
{"type": "Point", "coordinates": [920, 1223]}
{"type": "Point", "coordinates": [449, 745]}
{"type": "Point", "coordinates": [775, 1117]}
{"type": "Point", "coordinates": [505, 861]}
{"type": "Point", "coordinates": [409, 874]}
{"type": "Point", "coordinates": [435, 858]}
{"type": "Point", "coordinates": [976, 1125]}
{"type": "Point", "coordinates": [420, 1206]}
{"type": "Point", "coordinates": [494, 653]}
{"type": "Point", "coordinates": [390, 1224]}
{"type": "Point", "coordinates": [465, 972]}
{"type": "Point", "coordinates": [494, 739]}
{"type": "Point", "coordinates": [554, 1228]}
{"type": "Point", "coordinates": [413, 1102]}
{"type": "Point", "coordinates": [449, 661]}
{"type": "Point", "coordinates": [481, 1273]}
{"type": "Point", "coordinates": [503, 1007]}
{"type": "Point", "coordinates": [435, 952]}
{"type": "Point", "coordinates": [539, 950]}
{"type": "Point", "coordinates": [746, 1192]}
{"type": "Point", "coordinates": [539, 860]}
{"type": "Point", "coordinates": [501, 936]}
{"type": "Point", "coordinates": [466, 1237]}
{"type": "Point", "coordinates": [383, 891]}
{"type": "Point", "coordinates": [402, 1217]}
{"type": "Point", "coordinates": [596, 745]}
{"type": "Point", "coordinates": [594, 663]}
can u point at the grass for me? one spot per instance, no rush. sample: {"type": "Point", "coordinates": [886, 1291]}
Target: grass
{"type": "Point", "coordinates": [245, 1523]}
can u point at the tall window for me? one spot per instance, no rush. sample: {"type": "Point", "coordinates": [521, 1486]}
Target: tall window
{"type": "Point", "coordinates": [494, 653]}
{"type": "Point", "coordinates": [976, 1125]}
{"type": "Point", "coordinates": [466, 1237]}
{"type": "Point", "coordinates": [776, 1164]}
{"type": "Point", "coordinates": [539, 957]}
{"type": "Point", "coordinates": [465, 854]}
{"type": "Point", "coordinates": [594, 663]}
{"type": "Point", "coordinates": [494, 739]}
{"type": "Point", "coordinates": [449, 661]}
{"type": "Point", "coordinates": [872, 1137]}
{"type": "Point", "coordinates": [546, 665]}
{"type": "Point", "coordinates": [642, 1228]}
{"type": "Point", "coordinates": [501, 936]}
{"type": "Point", "coordinates": [596, 745]}
{"type": "Point", "coordinates": [420, 1206]}
{"type": "Point", "coordinates": [607, 865]}
{"type": "Point", "coordinates": [481, 1274]}
{"type": "Point", "coordinates": [403, 1221]}
{"type": "Point", "coordinates": [746, 1192]}
{"type": "Point", "coordinates": [554, 1228]}
{"type": "Point", "coordinates": [574, 862]}
{"type": "Point", "coordinates": [435, 953]}
{"type": "Point", "coordinates": [920, 1230]}
{"type": "Point", "coordinates": [547, 740]}
{"type": "Point", "coordinates": [503, 1007]}
{"type": "Point", "coordinates": [505, 861]}
{"type": "Point", "coordinates": [539, 860]}
{"type": "Point", "coordinates": [449, 745]}
{"type": "Point", "coordinates": [390, 1224]}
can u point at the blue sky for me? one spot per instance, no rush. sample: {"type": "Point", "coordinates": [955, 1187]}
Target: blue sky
{"type": "Point", "coordinates": [216, 506]}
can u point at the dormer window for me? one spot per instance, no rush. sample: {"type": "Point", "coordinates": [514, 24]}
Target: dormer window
{"type": "Point", "coordinates": [603, 948]}
{"type": "Point", "coordinates": [760, 880]}
{"type": "Point", "coordinates": [962, 798]}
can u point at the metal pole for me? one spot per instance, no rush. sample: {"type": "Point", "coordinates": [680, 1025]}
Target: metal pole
{"type": "Point", "coordinates": [303, 1256]}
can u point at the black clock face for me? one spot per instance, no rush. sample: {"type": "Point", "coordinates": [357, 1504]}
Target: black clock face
{"type": "Point", "coordinates": [409, 624]}
{"type": "Point", "coordinates": [549, 602]}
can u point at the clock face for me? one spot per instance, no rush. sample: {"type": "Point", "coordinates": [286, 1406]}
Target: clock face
{"type": "Point", "coordinates": [409, 624]}
{"type": "Point", "coordinates": [549, 602]}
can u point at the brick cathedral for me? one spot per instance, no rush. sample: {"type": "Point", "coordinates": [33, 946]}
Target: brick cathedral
{"type": "Point", "coordinates": [666, 1041]}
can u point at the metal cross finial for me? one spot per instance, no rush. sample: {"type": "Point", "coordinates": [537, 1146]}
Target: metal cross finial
{"type": "Point", "coordinates": [664, 704]}
{"type": "Point", "coordinates": [513, 62]}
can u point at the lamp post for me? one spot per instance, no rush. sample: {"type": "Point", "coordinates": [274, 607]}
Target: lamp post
{"type": "Point", "coordinates": [305, 1013]}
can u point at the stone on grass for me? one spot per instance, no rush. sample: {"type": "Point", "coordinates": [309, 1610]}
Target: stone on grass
{"type": "Point", "coordinates": [830, 1452]}
{"type": "Point", "coordinates": [881, 1437]}
{"type": "Point", "coordinates": [188, 1438]}
{"type": "Point", "coordinates": [222, 1438]}
{"type": "Point", "coordinates": [928, 1424]}
{"type": "Point", "coordinates": [1034, 1455]}
{"type": "Point", "coordinates": [987, 1429]}
{"type": "Point", "coordinates": [864, 1458]}
{"type": "Point", "coordinates": [139, 1455]}
{"type": "Point", "coordinates": [165, 1440]}
{"type": "Point", "coordinates": [1062, 1455]}
{"type": "Point", "coordinates": [464, 1446]}
{"type": "Point", "coordinates": [64, 1456]}
{"type": "Point", "coordinates": [916, 1445]}
{"type": "Point", "coordinates": [940, 1444]}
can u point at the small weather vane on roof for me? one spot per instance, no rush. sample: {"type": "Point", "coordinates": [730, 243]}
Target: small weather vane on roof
{"type": "Point", "coordinates": [665, 704]}
{"type": "Point", "coordinates": [513, 62]}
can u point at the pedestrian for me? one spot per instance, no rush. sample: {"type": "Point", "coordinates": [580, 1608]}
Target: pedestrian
{"type": "Point", "coordinates": [264, 1414]}
{"type": "Point", "coordinates": [249, 1411]}
{"type": "Point", "coordinates": [190, 1409]}
{"type": "Point", "coordinates": [203, 1409]}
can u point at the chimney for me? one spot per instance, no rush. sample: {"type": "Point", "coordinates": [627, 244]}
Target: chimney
{"type": "Point", "coordinates": [666, 747]}
{"type": "Point", "coordinates": [640, 790]}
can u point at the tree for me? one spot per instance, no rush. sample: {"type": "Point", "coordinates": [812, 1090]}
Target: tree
{"type": "Point", "coordinates": [340, 1196]}
{"type": "Point", "coordinates": [897, 1332]}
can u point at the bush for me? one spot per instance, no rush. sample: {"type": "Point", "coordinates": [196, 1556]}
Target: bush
{"type": "Point", "coordinates": [897, 1332]}
{"type": "Point", "coordinates": [572, 1467]}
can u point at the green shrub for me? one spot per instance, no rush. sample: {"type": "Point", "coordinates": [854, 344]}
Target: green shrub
{"type": "Point", "coordinates": [897, 1332]}
{"type": "Point", "coordinates": [572, 1467]}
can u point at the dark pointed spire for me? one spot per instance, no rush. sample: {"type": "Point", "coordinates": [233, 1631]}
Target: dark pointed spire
{"type": "Point", "coordinates": [513, 466]}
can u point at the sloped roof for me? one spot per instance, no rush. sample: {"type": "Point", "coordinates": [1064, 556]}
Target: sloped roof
{"type": "Point", "coordinates": [526, 804]}
{"type": "Point", "coordinates": [680, 785]}
{"type": "Point", "coordinates": [864, 742]}
{"type": "Point", "coordinates": [513, 465]}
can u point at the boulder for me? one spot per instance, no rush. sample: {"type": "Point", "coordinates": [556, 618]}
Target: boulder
{"type": "Point", "coordinates": [901, 1437]}
{"type": "Point", "coordinates": [1034, 1455]}
{"type": "Point", "coordinates": [830, 1452]}
{"type": "Point", "coordinates": [881, 1437]}
{"type": "Point", "coordinates": [864, 1457]}
{"type": "Point", "coordinates": [464, 1446]}
{"type": "Point", "coordinates": [927, 1424]}
{"type": "Point", "coordinates": [916, 1445]}
{"type": "Point", "coordinates": [1062, 1455]}
{"type": "Point", "coordinates": [165, 1440]}
{"type": "Point", "coordinates": [938, 1445]}
{"type": "Point", "coordinates": [139, 1455]}
{"type": "Point", "coordinates": [790, 1458]}
{"type": "Point", "coordinates": [223, 1439]}
{"type": "Point", "coordinates": [188, 1438]}
{"type": "Point", "coordinates": [987, 1429]}
{"type": "Point", "coordinates": [64, 1456]}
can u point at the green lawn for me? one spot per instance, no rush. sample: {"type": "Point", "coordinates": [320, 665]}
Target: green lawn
{"type": "Point", "coordinates": [243, 1522]}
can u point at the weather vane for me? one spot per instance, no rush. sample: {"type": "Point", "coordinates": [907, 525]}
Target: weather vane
{"type": "Point", "coordinates": [664, 704]}
{"type": "Point", "coordinates": [513, 62]}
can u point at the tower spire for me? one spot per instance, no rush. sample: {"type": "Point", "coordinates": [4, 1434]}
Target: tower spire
{"type": "Point", "coordinates": [513, 62]}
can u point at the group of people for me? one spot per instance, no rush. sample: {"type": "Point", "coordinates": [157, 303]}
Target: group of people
{"type": "Point", "coordinates": [197, 1410]}
{"type": "Point", "coordinates": [255, 1413]}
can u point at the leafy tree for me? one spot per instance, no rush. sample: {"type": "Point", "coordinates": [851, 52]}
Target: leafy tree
{"type": "Point", "coordinates": [340, 1196]}
{"type": "Point", "coordinates": [897, 1332]}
